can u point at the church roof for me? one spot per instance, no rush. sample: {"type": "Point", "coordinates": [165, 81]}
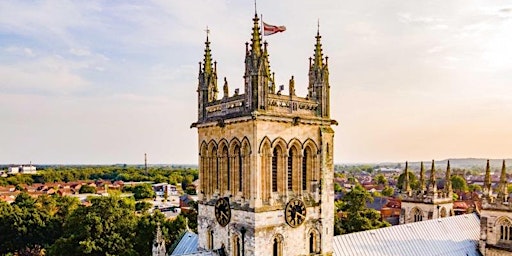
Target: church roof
{"type": "Point", "coordinates": [457, 235]}
{"type": "Point", "coordinates": [187, 245]}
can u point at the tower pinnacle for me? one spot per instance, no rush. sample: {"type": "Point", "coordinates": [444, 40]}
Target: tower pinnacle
{"type": "Point", "coordinates": [487, 181]}
{"type": "Point", "coordinates": [256, 37]}
{"type": "Point", "coordinates": [502, 187]}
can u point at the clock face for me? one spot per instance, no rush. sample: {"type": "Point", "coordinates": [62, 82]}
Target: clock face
{"type": "Point", "coordinates": [222, 211]}
{"type": "Point", "coordinates": [295, 212]}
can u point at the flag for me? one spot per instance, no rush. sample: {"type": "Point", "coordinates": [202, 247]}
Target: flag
{"type": "Point", "coordinates": [271, 29]}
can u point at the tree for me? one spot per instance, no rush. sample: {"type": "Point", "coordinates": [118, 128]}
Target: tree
{"type": "Point", "coordinates": [86, 189]}
{"type": "Point", "coordinates": [337, 188]}
{"type": "Point", "coordinates": [143, 191]}
{"type": "Point", "coordinates": [107, 227]}
{"type": "Point", "coordinates": [475, 188]}
{"type": "Point", "coordinates": [413, 181]}
{"type": "Point", "coordinates": [142, 206]}
{"type": "Point", "coordinates": [388, 191]}
{"type": "Point", "coordinates": [380, 179]}
{"type": "Point", "coordinates": [459, 183]}
{"type": "Point", "coordinates": [355, 215]}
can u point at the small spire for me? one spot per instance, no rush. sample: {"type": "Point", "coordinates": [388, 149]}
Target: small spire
{"type": "Point", "coordinates": [256, 37]}
{"type": "Point", "coordinates": [407, 186]}
{"type": "Point", "coordinates": [208, 64]}
{"type": "Point", "coordinates": [318, 63]}
{"type": "Point", "coordinates": [432, 186]}
{"type": "Point", "coordinates": [487, 180]}
{"type": "Point", "coordinates": [503, 189]}
{"type": "Point", "coordinates": [423, 187]}
{"type": "Point", "coordinates": [448, 181]}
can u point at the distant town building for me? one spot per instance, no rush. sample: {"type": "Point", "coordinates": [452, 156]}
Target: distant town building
{"type": "Point", "coordinates": [23, 169]}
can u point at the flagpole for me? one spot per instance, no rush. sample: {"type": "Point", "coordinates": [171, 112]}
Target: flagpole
{"type": "Point", "coordinates": [262, 28]}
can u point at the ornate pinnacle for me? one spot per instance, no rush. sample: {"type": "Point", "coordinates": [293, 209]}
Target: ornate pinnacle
{"type": "Point", "coordinates": [208, 65]}
{"type": "Point", "coordinates": [407, 186]}
{"type": "Point", "coordinates": [318, 50]}
{"type": "Point", "coordinates": [432, 187]}
{"type": "Point", "coordinates": [256, 37]}
{"type": "Point", "coordinates": [503, 189]}
{"type": "Point", "coordinates": [422, 178]}
{"type": "Point", "coordinates": [487, 180]}
{"type": "Point", "coordinates": [448, 182]}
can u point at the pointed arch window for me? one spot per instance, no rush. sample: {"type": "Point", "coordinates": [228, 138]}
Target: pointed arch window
{"type": "Point", "coordinates": [277, 246]}
{"type": "Point", "coordinates": [275, 162]}
{"type": "Point", "coordinates": [291, 156]}
{"type": "Point", "coordinates": [236, 246]}
{"type": "Point", "coordinates": [505, 230]}
{"type": "Point", "coordinates": [417, 215]}
{"type": "Point", "coordinates": [314, 242]}
{"type": "Point", "coordinates": [305, 161]}
{"type": "Point", "coordinates": [240, 170]}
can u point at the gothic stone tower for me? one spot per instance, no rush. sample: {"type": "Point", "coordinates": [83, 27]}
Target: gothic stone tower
{"type": "Point", "coordinates": [265, 160]}
{"type": "Point", "coordinates": [426, 203]}
{"type": "Point", "coordinates": [496, 217]}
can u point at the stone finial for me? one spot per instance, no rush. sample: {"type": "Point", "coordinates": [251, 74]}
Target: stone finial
{"type": "Point", "coordinates": [432, 186]}
{"type": "Point", "coordinates": [487, 190]}
{"type": "Point", "coordinates": [407, 185]}
{"type": "Point", "coordinates": [503, 188]}
{"type": "Point", "coordinates": [448, 182]}
{"type": "Point", "coordinates": [423, 186]}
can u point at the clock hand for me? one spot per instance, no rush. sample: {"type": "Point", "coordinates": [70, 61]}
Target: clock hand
{"type": "Point", "coordinates": [223, 214]}
{"type": "Point", "coordinates": [302, 215]}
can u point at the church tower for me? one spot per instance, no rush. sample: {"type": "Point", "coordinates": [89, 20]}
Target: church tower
{"type": "Point", "coordinates": [265, 159]}
{"type": "Point", "coordinates": [496, 217]}
{"type": "Point", "coordinates": [426, 202]}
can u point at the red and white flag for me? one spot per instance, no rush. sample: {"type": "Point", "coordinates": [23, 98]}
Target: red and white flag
{"type": "Point", "coordinates": [271, 29]}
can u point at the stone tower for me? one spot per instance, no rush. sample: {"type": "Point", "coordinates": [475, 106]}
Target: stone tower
{"type": "Point", "coordinates": [426, 202]}
{"type": "Point", "coordinates": [265, 159]}
{"type": "Point", "coordinates": [496, 217]}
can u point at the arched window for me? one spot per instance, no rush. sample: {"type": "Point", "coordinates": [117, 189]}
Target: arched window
{"type": "Point", "coordinates": [277, 246]}
{"type": "Point", "coordinates": [240, 172]}
{"type": "Point", "coordinates": [225, 171]}
{"type": "Point", "coordinates": [504, 227]}
{"type": "Point", "coordinates": [314, 242]}
{"type": "Point", "coordinates": [214, 168]}
{"type": "Point", "coordinates": [236, 246]}
{"type": "Point", "coordinates": [417, 215]}
{"type": "Point", "coordinates": [210, 239]}
{"type": "Point", "coordinates": [443, 213]}
{"type": "Point", "coordinates": [275, 163]}
{"type": "Point", "coordinates": [306, 168]}
{"type": "Point", "coordinates": [291, 156]}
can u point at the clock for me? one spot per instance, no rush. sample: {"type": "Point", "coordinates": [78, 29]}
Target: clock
{"type": "Point", "coordinates": [295, 213]}
{"type": "Point", "coordinates": [222, 211]}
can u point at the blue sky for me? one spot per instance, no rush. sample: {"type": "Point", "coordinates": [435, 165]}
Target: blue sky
{"type": "Point", "coordinates": [107, 81]}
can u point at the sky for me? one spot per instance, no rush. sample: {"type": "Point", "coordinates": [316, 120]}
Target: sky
{"type": "Point", "coordinates": [103, 82]}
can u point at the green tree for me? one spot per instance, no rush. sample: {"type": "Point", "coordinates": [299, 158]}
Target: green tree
{"type": "Point", "coordinates": [459, 183]}
{"type": "Point", "coordinates": [355, 215]}
{"type": "Point", "coordinates": [475, 188]}
{"type": "Point", "coordinates": [143, 191]}
{"type": "Point", "coordinates": [388, 191]}
{"type": "Point", "coordinates": [86, 189]}
{"type": "Point", "coordinates": [380, 179]}
{"type": "Point", "coordinates": [337, 188]}
{"type": "Point", "coordinates": [107, 227]}
{"type": "Point", "coordinates": [414, 183]}
{"type": "Point", "coordinates": [142, 206]}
